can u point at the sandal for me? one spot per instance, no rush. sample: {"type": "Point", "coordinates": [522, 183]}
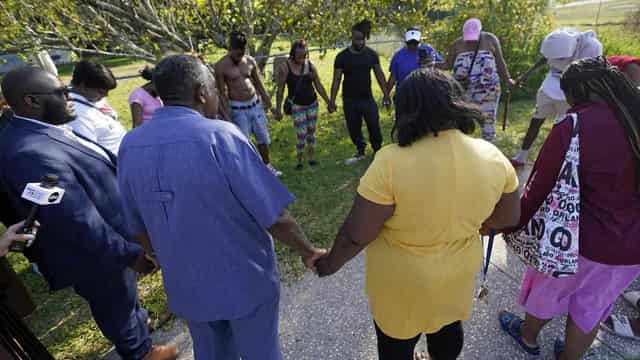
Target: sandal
{"type": "Point", "coordinates": [511, 324]}
{"type": "Point", "coordinates": [420, 356]}
{"type": "Point", "coordinates": [619, 325]}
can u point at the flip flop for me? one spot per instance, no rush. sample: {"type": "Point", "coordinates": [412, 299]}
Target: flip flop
{"type": "Point", "coordinates": [621, 327]}
{"type": "Point", "coordinates": [632, 298]}
{"type": "Point", "coordinates": [511, 324]}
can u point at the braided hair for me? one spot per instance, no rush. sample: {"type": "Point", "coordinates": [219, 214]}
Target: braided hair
{"type": "Point", "coordinates": [595, 78]}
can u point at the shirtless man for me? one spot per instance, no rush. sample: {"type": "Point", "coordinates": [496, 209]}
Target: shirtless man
{"type": "Point", "coordinates": [239, 84]}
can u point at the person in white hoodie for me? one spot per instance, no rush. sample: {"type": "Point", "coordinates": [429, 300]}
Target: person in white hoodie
{"type": "Point", "coordinates": [559, 49]}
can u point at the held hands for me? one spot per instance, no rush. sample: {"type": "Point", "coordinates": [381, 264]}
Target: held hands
{"type": "Point", "coordinates": [386, 101]}
{"type": "Point", "coordinates": [312, 257]}
{"type": "Point", "coordinates": [146, 264]}
{"type": "Point", "coordinates": [332, 107]}
{"type": "Point", "coordinates": [277, 114]}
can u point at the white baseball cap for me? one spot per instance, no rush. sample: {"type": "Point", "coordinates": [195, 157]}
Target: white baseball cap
{"type": "Point", "coordinates": [412, 35]}
{"type": "Point", "coordinates": [560, 44]}
{"type": "Point", "coordinates": [471, 30]}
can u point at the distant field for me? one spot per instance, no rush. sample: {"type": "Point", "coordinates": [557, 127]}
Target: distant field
{"type": "Point", "coordinates": [586, 12]}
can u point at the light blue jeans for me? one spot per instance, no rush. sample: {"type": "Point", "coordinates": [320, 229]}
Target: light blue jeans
{"type": "Point", "coordinates": [251, 121]}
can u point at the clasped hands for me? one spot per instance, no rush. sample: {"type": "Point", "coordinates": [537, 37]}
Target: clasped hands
{"type": "Point", "coordinates": [321, 262]}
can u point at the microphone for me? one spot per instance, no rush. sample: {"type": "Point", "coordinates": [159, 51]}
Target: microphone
{"type": "Point", "coordinates": [40, 194]}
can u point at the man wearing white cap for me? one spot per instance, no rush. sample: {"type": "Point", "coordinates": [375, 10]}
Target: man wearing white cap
{"type": "Point", "coordinates": [410, 57]}
{"type": "Point", "coordinates": [559, 48]}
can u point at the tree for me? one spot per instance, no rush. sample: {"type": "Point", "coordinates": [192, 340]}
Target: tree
{"type": "Point", "coordinates": [148, 29]}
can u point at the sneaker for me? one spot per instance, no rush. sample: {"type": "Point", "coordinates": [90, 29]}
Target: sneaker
{"type": "Point", "coordinates": [352, 160]}
{"type": "Point", "coordinates": [313, 163]}
{"type": "Point", "coordinates": [275, 171]}
{"type": "Point", "coordinates": [299, 166]}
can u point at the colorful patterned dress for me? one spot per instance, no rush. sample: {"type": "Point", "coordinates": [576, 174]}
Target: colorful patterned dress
{"type": "Point", "coordinates": [484, 85]}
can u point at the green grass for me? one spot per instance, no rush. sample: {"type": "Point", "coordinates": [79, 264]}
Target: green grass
{"type": "Point", "coordinates": [612, 11]}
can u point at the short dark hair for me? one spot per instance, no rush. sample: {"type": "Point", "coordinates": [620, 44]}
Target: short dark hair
{"type": "Point", "coordinates": [93, 75]}
{"type": "Point", "coordinates": [430, 101]}
{"type": "Point", "coordinates": [147, 73]}
{"type": "Point", "coordinates": [237, 40]}
{"type": "Point", "coordinates": [298, 44]}
{"type": "Point", "coordinates": [176, 76]}
{"type": "Point", "coordinates": [364, 27]}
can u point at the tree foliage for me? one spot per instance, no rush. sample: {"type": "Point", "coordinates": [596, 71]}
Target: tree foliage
{"type": "Point", "coordinates": [147, 29]}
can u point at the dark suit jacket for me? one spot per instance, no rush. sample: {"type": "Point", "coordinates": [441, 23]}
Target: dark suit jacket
{"type": "Point", "coordinates": [85, 235]}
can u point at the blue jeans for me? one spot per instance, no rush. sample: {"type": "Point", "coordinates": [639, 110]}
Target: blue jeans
{"type": "Point", "coordinates": [251, 121]}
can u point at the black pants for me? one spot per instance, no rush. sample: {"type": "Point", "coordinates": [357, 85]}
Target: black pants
{"type": "Point", "coordinates": [355, 110]}
{"type": "Point", "coordinates": [446, 344]}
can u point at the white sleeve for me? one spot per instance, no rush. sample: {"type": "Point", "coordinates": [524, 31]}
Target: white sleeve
{"type": "Point", "coordinates": [84, 124]}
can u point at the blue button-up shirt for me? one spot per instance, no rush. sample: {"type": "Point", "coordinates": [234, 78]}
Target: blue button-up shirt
{"type": "Point", "coordinates": [200, 190]}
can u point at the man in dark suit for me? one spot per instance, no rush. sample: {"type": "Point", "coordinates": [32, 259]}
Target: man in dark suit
{"type": "Point", "coordinates": [82, 242]}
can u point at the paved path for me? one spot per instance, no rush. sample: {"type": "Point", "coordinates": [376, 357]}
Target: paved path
{"type": "Point", "coordinates": [327, 319]}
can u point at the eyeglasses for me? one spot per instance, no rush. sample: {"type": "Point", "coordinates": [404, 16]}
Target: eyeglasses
{"type": "Point", "coordinates": [61, 91]}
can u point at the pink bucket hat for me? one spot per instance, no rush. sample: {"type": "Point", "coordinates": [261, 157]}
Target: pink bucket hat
{"type": "Point", "coordinates": [471, 29]}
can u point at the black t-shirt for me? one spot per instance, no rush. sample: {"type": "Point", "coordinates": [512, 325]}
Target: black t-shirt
{"type": "Point", "coordinates": [357, 72]}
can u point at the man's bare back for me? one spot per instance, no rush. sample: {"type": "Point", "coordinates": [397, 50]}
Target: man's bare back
{"type": "Point", "coordinates": [238, 78]}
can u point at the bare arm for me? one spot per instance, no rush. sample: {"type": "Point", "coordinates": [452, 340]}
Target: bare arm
{"type": "Point", "coordinates": [391, 83]}
{"type": "Point", "coordinates": [136, 115]}
{"type": "Point", "coordinates": [317, 83]}
{"type": "Point", "coordinates": [283, 71]}
{"type": "Point", "coordinates": [361, 227]}
{"type": "Point", "coordinates": [221, 84]}
{"type": "Point", "coordinates": [257, 81]}
{"type": "Point", "coordinates": [506, 213]}
{"type": "Point", "coordinates": [382, 82]}
{"type": "Point", "coordinates": [451, 57]}
{"type": "Point", "coordinates": [503, 70]}
{"type": "Point", "coordinates": [335, 84]}
{"type": "Point", "coordinates": [288, 231]}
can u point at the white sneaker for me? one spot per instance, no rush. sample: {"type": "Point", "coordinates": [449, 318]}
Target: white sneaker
{"type": "Point", "coordinates": [354, 159]}
{"type": "Point", "coordinates": [275, 171]}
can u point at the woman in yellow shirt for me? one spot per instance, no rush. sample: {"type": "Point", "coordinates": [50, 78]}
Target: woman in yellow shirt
{"type": "Point", "coordinates": [418, 209]}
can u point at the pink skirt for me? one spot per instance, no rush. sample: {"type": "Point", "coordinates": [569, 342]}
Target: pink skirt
{"type": "Point", "coordinates": [588, 296]}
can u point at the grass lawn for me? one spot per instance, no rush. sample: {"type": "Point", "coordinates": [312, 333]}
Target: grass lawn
{"type": "Point", "coordinates": [63, 321]}
{"type": "Point", "coordinates": [611, 11]}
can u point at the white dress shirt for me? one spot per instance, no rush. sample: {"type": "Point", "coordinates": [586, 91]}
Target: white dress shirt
{"type": "Point", "coordinates": [95, 125]}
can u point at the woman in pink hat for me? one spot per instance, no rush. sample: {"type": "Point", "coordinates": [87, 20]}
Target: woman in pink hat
{"type": "Point", "coordinates": [478, 65]}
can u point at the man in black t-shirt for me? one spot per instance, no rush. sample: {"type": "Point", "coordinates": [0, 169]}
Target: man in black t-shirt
{"type": "Point", "coordinates": [356, 63]}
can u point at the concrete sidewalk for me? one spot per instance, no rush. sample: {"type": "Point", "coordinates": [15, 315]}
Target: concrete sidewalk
{"type": "Point", "coordinates": [327, 319]}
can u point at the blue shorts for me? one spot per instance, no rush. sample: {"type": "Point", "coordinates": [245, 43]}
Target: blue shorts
{"type": "Point", "coordinates": [251, 119]}
{"type": "Point", "coordinates": [253, 337]}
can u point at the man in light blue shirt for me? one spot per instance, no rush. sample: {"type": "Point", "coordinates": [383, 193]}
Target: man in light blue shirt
{"type": "Point", "coordinates": [200, 198]}
{"type": "Point", "coordinates": [407, 59]}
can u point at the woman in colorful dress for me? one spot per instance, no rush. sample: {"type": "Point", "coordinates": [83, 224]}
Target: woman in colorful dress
{"type": "Point", "coordinates": [478, 65]}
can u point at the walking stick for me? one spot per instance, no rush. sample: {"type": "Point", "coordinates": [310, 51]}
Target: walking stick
{"type": "Point", "coordinates": [506, 110]}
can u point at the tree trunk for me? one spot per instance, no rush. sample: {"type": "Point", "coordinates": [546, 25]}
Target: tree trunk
{"type": "Point", "coordinates": [263, 51]}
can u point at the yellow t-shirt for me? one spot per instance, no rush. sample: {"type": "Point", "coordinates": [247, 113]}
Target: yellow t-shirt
{"type": "Point", "coordinates": [421, 269]}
